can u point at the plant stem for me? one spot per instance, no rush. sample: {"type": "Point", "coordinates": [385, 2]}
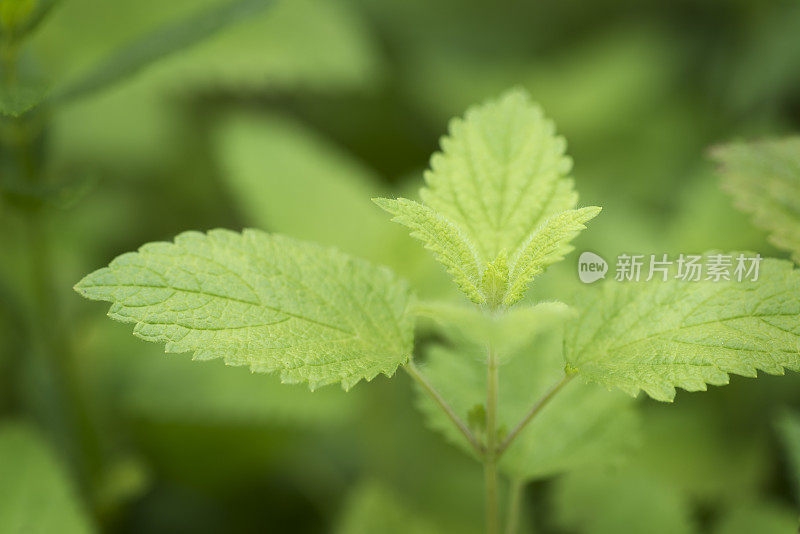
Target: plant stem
{"type": "Point", "coordinates": [515, 500]}
{"type": "Point", "coordinates": [541, 403]}
{"type": "Point", "coordinates": [415, 373]}
{"type": "Point", "coordinates": [61, 408]}
{"type": "Point", "coordinates": [490, 458]}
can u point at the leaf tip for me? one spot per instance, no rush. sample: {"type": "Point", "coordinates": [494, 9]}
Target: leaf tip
{"type": "Point", "coordinates": [385, 203]}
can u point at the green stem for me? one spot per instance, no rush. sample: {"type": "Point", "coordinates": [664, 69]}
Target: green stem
{"type": "Point", "coordinates": [540, 404]}
{"type": "Point", "coordinates": [61, 408]}
{"type": "Point", "coordinates": [514, 504]}
{"type": "Point", "coordinates": [490, 458]}
{"type": "Point", "coordinates": [428, 388]}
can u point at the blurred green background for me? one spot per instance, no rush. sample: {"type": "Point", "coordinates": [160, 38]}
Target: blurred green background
{"type": "Point", "coordinates": [289, 121]}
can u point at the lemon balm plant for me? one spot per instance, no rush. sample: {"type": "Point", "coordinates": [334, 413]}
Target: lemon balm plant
{"type": "Point", "coordinates": [498, 207]}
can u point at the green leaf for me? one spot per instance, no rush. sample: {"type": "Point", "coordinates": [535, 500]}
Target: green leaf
{"type": "Point", "coordinates": [507, 333]}
{"type": "Point", "coordinates": [583, 425]}
{"type": "Point", "coordinates": [547, 245]}
{"type": "Point", "coordinates": [159, 44]}
{"type": "Point", "coordinates": [597, 501]}
{"type": "Point", "coordinates": [498, 190]}
{"type": "Point", "coordinates": [764, 180]}
{"type": "Point", "coordinates": [35, 495]}
{"type": "Point", "coordinates": [762, 517]}
{"type": "Point", "coordinates": [20, 97]}
{"type": "Point", "coordinates": [372, 508]}
{"type": "Point", "coordinates": [501, 173]}
{"type": "Point", "coordinates": [658, 335]}
{"type": "Point", "coordinates": [450, 247]}
{"type": "Point", "coordinates": [267, 301]}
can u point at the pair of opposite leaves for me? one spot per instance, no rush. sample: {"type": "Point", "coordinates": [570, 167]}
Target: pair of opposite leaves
{"type": "Point", "coordinates": [498, 208]}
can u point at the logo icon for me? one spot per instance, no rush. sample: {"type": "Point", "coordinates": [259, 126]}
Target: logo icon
{"type": "Point", "coordinates": [591, 267]}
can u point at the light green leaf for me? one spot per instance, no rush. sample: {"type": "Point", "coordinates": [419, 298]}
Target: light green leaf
{"type": "Point", "coordinates": [657, 335]}
{"type": "Point", "coordinates": [35, 495]}
{"type": "Point", "coordinates": [508, 332]}
{"type": "Point", "coordinates": [447, 242]}
{"type": "Point", "coordinates": [266, 301]}
{"type": "Point", "coordinates": [583, 425]}
{"type": "Point", "coordinates": [547, 245]}
{"type": "Point", "coordinates": [501, 173]}
{"type": "Point", "coordinates": [595, 501]}
{"type": "Point", "coordinates": [498, 205]}
{"type": "Point", "coordinates": [372, 508]}
{"type": "Point", "coordinates": [159, 44]}
{"type": "Point", "coordinates": [764, 180]}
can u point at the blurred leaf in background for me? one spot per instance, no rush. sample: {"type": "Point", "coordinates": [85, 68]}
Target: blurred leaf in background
{"type": "Point", "coordinates": [36, 494]}
{"type": "Point", "coordinates": [371, 508]}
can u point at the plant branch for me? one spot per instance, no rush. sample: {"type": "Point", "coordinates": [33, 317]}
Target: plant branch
{"type": "Point", "coordinates": [415, 373]}
{"type": "Point", "coordinates": [540, 404]}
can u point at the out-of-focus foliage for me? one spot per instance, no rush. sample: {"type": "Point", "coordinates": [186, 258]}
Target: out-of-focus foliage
{"type": "Point", "coordinates": [319, 46]}
{"type": "Point", "coordinates": [789, 429]}
{"type": "Point", "coordinates": [600, 502]}
{"type": "Point", "coordinates": [21, 96]}
{"type": "Point", "coordinates": [764, 180]}
{"type": "Point", "coordinates": [144, 387]}
{"type": "Point", "coordinates": [370, 508]}
{"type": "Point", "coordinates": [763, 517]}
{"type": "Point", "coordinates": [36, 495]}
{"type": "Point", "coordinates": [342, 101]}
{"type": "Point", "coordinates": [286, 177]}
{"type": "Point", "coordinates": [158, 44]}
